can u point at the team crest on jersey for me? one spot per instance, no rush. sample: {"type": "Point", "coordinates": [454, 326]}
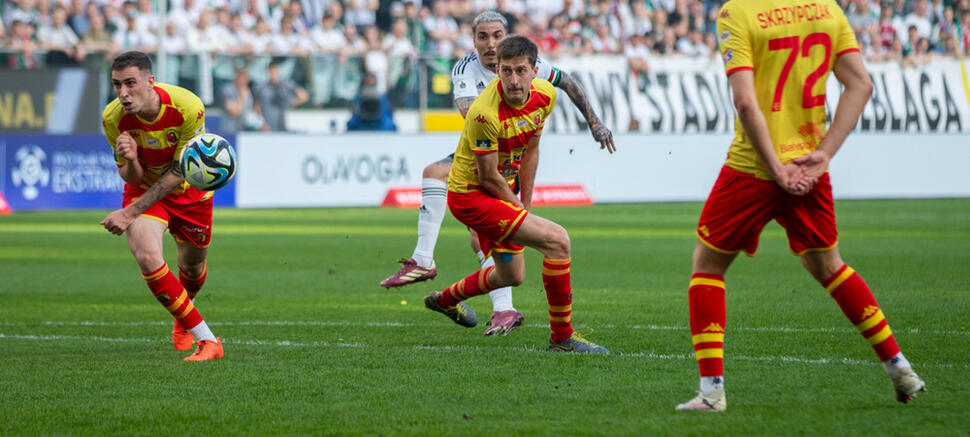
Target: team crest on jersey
{"type": "Point", "coordinates": [171, 137]}
{"type": "Point", "coordinates": [537, 119]}
{"type": "Point", "coordinates": [483, 143]}
{"type": "Point", "coordinates": [462, 85]}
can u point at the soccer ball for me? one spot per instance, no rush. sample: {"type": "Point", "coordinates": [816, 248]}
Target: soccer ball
{"type": "Point", "coordinates": [208, 162]}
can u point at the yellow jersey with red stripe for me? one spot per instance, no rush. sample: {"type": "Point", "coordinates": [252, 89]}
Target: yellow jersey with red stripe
{"type": "Point", "coordinates": [160, 141]}
{"type": "Point", "coordinates": [791, 47]}
{"type": "Point", "coordinates": [494, 126]}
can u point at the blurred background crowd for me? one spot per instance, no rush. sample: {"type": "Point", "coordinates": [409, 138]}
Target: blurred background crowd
{"type": "Point", "coordinates": [333, 47]}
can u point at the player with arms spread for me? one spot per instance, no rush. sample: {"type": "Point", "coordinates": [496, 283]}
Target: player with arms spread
{"type": "Point", "coordinates": [469, 78]}
{"type": "Point", "coordinates": [147, 125]}
{"type": "Point", "coordinates": [778, 55]}
{"type": "Point", "coordinates": [500, 142]}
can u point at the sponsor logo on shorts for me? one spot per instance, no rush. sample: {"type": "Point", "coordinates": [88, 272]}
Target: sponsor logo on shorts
{"type": "Point", "coordinates": [503, 224]}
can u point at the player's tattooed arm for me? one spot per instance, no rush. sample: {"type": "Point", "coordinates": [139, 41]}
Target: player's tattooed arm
{"type": "Point", "coordinates": [120, 219]}
{"type": "Point", "coordinates": [575, 92]}
{"type": "Point", "coordinates": [464, 103]}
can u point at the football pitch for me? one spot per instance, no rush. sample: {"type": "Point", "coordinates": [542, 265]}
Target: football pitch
{"type": "Point", "coordinates": [315, 346]}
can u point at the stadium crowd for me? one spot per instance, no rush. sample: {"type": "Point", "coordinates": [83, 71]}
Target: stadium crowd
{"type": "Point", "coordinates": [67, 31]}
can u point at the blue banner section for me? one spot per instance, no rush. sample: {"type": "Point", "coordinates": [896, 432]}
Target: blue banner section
{"type": "Point", "coordinates": [42, 172]}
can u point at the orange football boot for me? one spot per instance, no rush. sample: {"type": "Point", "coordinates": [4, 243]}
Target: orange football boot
{"type": "Point", "coordinates": [207, 350]}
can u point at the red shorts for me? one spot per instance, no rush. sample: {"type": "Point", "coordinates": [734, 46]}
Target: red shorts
{"type": "Point", "coordinates": [190, 222]}
{"type": "Point", "coordinates": [494, 220]}
{"type": "Point", "coordinates": [740, 205]}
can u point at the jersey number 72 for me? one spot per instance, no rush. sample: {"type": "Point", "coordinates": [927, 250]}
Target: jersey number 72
{"type": "Point", "coordinates": [803, 47]}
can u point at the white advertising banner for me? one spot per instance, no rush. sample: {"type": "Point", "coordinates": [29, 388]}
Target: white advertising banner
{"type": "Point", "coordinates": [689, 95]}
{"type": "Point", "coordinates": [359, 170]}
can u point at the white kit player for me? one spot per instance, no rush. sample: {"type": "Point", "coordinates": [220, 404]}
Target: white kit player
{"type": "Point", "coordinates": [469, 77]}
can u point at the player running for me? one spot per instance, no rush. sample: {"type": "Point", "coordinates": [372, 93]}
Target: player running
{"type": "Point", "coordinates": [469, 78]}
{"type": "Point", "coordinates": [501, 141]}
{"type": "Point", "coordinates": [147, 125]}
{"type": "Point", "coordinates": [778, 55]}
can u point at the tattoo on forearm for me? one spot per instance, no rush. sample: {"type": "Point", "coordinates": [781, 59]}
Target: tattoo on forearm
{"type": "Point", "coordinates": [463, 104]}
{"type": "Point", "coordinates": [158, 190]}
{"type": "Point", "coordinates": [578, 97]}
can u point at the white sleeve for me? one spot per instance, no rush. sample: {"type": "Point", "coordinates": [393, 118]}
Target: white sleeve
{"type": "Point", "coordinates": [547, 72]}
{"type": "Point", "coordinates": [463, 83]}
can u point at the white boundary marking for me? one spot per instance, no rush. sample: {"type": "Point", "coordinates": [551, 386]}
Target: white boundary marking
{"type": "Point", "coordinates": [461, 348]}
{"type": "Point", "coordinates": [782, 329]}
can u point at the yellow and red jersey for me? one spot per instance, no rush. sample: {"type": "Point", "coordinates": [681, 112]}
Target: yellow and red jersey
{"type": "Point", "coordinates": [160, 141]}
{"type": "Point", "coordinates": [494, 126]}
{"type": "Point", "coordinates": [791, 47]}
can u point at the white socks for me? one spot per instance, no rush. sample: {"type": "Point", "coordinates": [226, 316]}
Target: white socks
{"type": "Point", "coordinates": [895, 363]}
{"type": "Point", "coordinates": [201, 332]}
{"type": "Point", "coordinates": [711, 383]}
{"type": "Point", "coordinates": [501, 297]}
{"type": "Point", "coordinates": [434, 203]}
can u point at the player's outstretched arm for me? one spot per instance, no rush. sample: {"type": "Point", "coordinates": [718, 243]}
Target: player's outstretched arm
{"type": "Point", "coordinates": [575, 92]}
{"type": "Point", "coordinates": [851, 72]}
{"type": "Point", "coordinates": [118, 221]}
{"type": "Point", "coordinates": [789, 176]}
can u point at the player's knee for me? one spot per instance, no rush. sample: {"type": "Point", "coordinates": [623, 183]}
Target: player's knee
{"type": "Point", "coordinates": [512, 278]}
{"type": "Point", "coordinates": [148, 260]}
{"type": "Point", "coordinates": [559, 243]}
{"type": "Point", "coordinates": [192, 269]}
{"type": "Point", "coordinates": [436, 171]}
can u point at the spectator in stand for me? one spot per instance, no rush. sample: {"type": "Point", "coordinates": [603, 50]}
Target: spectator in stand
{"type": "Point", "coordinates": [950, 49]}
{"type": "Point", "coordinates": [146, 19]}
{"type": "Point", "coordinates": [354, 45]}
{"type": "Point", "coordinates": [361, 13]}
{"type": "Point", "coordinates": [78, 17]}
{"type": "Point", "coordinates": [59, 40]}
{"type": "Point", "coordinates": [641, 22]}
{"type": "Point", "coordinates": [98, 40]}
{"type": "Point", "coordinates": [204, 37]}
{"type": "Point", "coordinates": [114, 19]}
{"type": "Point", "coordinates": [603, 41]}
{"type": "Point", "coordinates": [712, 50]}
{"type": "Point", "coordinates": [24, 44]}
{"type": "Point", "coordinates": [262, 38]}
{"type": "Point", "coordinates": [294, 13]}
{"type": "Point", "coordinates": [964, 31]}
{"type": "Point", "coordinates": [328, 37]}
{"type": "Point", "coordinates": [888, 25]}
{"type": "Point", "coordinates": [697, 18]}
{"type": "Point", "coordinates": [660, 22]}
{"type": "Point", "coordinates": [238, 40]}
{"type": "Point", "coordinates": [412, 15]}
{"type": "Point", "coordinates": [862, 18]}
{"type": "Point", "coordinates": [465, 43]}
{"type": "Point", "coordinates": [545, 40]}
{"type": "Point", "coordinates": [273, 13]}
{"type": "Point", "coordinates": [130, 38]}
{"type": "Point", "coordinates": [176, 42]}
{"type": "Point", "coordinates": [239, 104]}
{"type": "Point", "coordinates": [371, 111]}
{"type": "Point", "coordinates": [920, 19]}
{"type": "Point", "coordinates": [297, 44]}
{"type": "Point", "coordinates": [43, 13]}
{"type": "Point", "coordinates": [25, 12]}
{"type": "Point", "coordinates": [912, 38]}
{"type": "Point", "coordinates": [375, 59]}
{"type": "Point", "coordinates": [668, 42]}
{"type": "Point", "coordinates": [186, 16]}
{"type": "Point", "coordinates": [637, 54]}
{"type": "Point", "coordinates": [946, 26]}
{"type": "Point", "coordinates": [396, 43]}
{"type": "Point", "coordinates": [693, 45]}
{"type": "Point", "coordinates": [442, 31]}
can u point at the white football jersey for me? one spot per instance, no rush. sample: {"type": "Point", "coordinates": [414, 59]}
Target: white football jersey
{"type": "Point", "coordinates": [469, 77]}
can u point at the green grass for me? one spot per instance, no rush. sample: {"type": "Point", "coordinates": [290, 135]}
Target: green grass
{"type": "Point", "coordinates": [314, 346]}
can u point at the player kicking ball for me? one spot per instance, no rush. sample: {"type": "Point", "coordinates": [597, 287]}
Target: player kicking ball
{"type": "Point", "coordinates": [500, 141]}
{"type": "Point", "coordinates": [147, 125]}
{"type": "Point", "coordinates": [777, 169]}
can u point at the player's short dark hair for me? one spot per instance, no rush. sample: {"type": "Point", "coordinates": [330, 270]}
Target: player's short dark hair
{"type": "Point", "coordinates": [515, 46]}
{"type": "Point", "coordinates": [132, 59]}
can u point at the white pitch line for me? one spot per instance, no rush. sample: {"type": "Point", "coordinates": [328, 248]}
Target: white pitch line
{"type": "Point", "coordinates": [490, 349]}
{"type": "Point", "coordinates": [781, 329]}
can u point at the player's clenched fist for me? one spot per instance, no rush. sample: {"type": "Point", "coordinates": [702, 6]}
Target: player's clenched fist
{"type": "Point", "coordinates": [125, 147]}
